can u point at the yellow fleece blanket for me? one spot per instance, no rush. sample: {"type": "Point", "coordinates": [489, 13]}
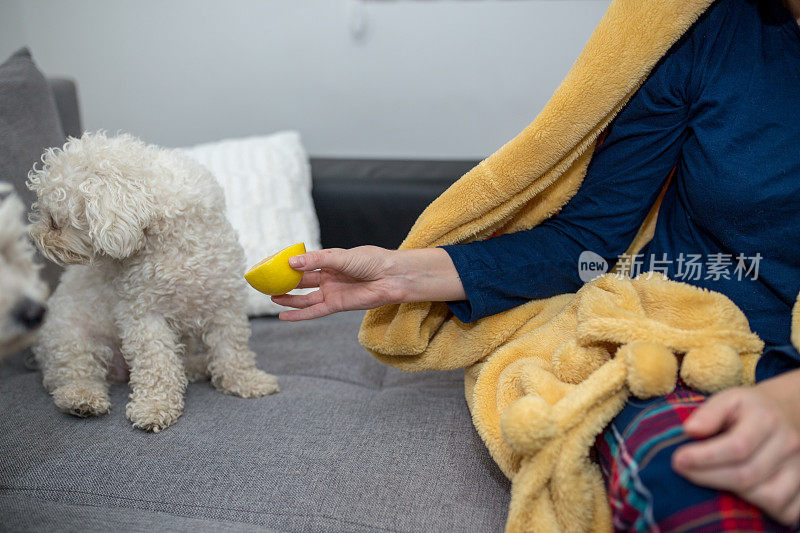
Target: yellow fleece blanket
{"type": "Point", "coordinates": [543, 379]}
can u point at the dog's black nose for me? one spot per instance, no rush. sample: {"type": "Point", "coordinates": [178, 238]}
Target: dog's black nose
{"type": "Point", "coordinates": [29, 313]}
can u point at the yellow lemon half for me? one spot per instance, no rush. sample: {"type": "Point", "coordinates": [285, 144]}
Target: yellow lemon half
{"type": "Point", "coordinates": [273, 275]}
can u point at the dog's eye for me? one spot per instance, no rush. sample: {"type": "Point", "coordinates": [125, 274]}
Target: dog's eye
{"type": "Point", "coordinates": [53, 225]}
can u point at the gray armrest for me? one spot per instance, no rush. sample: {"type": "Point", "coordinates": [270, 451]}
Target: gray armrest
{"type": "Point", "coordinates": [66, 95]}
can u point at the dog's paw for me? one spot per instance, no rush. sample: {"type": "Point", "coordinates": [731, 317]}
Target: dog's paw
{"type": "Point", "coordinates": [152, 414]}
{"type": "Point", "coordinates": [82, 398]}
{"type": "Point", "coordinates": [250, 383]}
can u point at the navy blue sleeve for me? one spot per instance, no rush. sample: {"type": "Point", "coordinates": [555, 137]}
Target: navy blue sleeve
{"type": "Point", "coordinates": [622, 182]}
{"type": "Point", "coordinates": [775, 360]}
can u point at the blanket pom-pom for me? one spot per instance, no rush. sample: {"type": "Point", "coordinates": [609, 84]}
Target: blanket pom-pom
{"type": "Point", "coordinates": [528, 424]}
{"type": "Point", "coordinates": [710, 369]}
{"type": "Point", "coordinates": [652, 368]}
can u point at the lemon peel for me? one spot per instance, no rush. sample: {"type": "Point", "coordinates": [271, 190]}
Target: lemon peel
{"type": "Point", "coordinates": [273, 275]}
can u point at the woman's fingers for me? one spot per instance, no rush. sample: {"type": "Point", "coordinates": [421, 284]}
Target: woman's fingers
{"type": "Point", "coordinates": [333, 258]}
{"type": "Point", "coordinates": [343, 273]}
{"type": "Point", "coordinates": [746, 475]}
{"type": "Point", "coordinates": [764, 463]}
{"type": "Point", "coordinates": [713, 415]}
{"type": "Point", "coordinates": [777, 495]}
{"type": "Point", "coordinates": [308, 306]}
{"type": "Point", "coordinates": [733, 446]}
{"type": "Point", "coordinates": [315, 311]}
{"type": "Point", "coordinates": [792, 512]}
{"type": "Point", "coordinates": [310, 280]}
{"type": "Point", "coordinates": [299, 300]}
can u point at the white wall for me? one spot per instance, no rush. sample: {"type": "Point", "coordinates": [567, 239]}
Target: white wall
{"type": "Point", "coordinates": [11, 34]}
{"type": "Point", "coordinates": [446, 78]}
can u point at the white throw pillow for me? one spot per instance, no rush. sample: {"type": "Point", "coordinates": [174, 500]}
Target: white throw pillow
{"type": "Point", "coordinates": [267, 184]}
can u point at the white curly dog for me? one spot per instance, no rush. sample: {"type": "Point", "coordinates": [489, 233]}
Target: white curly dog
{"type": "Point", "coordinates": [155, 271]}
{"type": "Point", "coordinates": [22, 292]}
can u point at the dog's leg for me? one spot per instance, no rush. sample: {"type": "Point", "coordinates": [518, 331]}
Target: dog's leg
{"type": "Point", "coordinates": [74, 370]}
{"type": "Point", "coordinates": [158, 378]}
{"type": "Point", "coordinates": [72, 350]}
{"type": "Point", "coordinates": [231, 362]}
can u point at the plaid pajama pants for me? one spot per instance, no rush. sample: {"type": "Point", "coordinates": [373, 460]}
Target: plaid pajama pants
{"type": "Point", "coordinates": [645, 493]}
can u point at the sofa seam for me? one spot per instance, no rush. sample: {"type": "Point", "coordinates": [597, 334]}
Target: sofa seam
{"type": "Point", "coordinates": [377, 387]}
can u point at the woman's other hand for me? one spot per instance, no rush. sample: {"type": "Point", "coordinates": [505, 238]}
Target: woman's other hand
{"type": "Point", "coordinates": [367, 277]}
{"type": "Point", "coordinates": [750, 446]}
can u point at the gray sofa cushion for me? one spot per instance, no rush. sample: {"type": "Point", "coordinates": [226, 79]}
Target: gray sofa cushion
{"type": "Point", "coordinates": [29, 123]}
{"type": "Point", "coordinates": [347, 445]}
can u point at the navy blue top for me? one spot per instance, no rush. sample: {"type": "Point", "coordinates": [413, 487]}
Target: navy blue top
{"type": "Point", "coordinates": [723, 109]}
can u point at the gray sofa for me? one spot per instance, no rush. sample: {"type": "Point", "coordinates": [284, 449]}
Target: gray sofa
{"type": "Point", "coordinates": [348, 445]}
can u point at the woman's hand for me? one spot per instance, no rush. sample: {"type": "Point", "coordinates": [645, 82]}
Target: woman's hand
{"type": "Point", "coordinates": [368, 277]}
{"type": "Point", "coordinates": [751, 446]}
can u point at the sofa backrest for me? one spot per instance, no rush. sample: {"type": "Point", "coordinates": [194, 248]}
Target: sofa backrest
{"type": "Point", "coordinates": [376, 201]}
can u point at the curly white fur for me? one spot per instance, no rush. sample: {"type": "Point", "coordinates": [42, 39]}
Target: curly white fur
{"type": "Point", "coordinates": [22, 292]}
{"type": "Point", "coordinates": [154, 265]}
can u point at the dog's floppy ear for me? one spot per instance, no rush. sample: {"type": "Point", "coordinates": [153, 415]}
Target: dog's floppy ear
{"type": "Point", "coordinates": [118, 210]}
